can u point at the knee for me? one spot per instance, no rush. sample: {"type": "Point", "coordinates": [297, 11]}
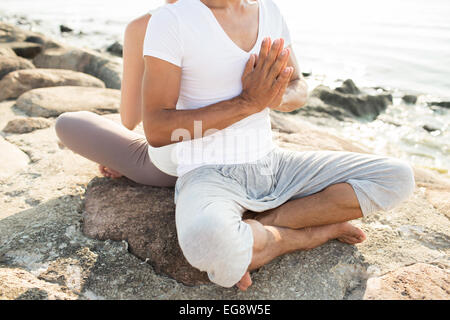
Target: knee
{"type": "Point", "coordinates": [217, 246]}
{"type": "Point", "coordinates": [202, 241]}
{"type": "Point", "coordinates": [402, 177]}
{"type": "Point", "coordinates": [66, 125]}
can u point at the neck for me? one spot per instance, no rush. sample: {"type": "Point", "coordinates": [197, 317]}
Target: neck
{"type": "Point", "coordinates": [220, 4]}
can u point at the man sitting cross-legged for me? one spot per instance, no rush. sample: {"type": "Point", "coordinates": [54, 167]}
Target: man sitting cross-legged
{"type": "Point", "coordinates": [212, 73]}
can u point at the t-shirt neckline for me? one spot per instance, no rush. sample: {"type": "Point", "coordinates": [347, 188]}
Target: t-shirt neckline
{"type": "Point", "coordinates": [227, 37]}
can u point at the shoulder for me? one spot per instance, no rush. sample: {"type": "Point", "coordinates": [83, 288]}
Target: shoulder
{"type": "Point", "coordinates": [272, 12]}
{"type": "Point", "coordinates": [270, 6]}
{"type": "Point", "coordinates": [138, 25]}
{"type": "Point", "coordinates": [176, 10]}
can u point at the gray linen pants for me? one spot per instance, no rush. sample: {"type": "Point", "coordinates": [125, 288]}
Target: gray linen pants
{"type": "Point", "coordinates": [210, 200]}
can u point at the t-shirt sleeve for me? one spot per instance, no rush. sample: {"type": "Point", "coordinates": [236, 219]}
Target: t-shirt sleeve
{"type": "Point", "coordinates": [162, 38]}
{"type": "Point", "coordinates": [285, 34]}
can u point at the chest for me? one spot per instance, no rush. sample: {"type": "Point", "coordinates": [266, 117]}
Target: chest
{"type": "Point", "coordinates": [242, 28]}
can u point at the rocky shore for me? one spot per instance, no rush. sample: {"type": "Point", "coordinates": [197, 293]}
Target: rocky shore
{"type": "Point", "coordinates": [67, 233]}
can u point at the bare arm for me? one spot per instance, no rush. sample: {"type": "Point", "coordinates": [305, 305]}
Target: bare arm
{"type": "Point", "coordinates": [133, 71]}
{"type": "Point", "coordinates": [161, 88]}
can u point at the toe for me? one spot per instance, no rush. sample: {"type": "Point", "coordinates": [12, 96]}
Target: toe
{"type": "Point", "coordinates": [245, 282]}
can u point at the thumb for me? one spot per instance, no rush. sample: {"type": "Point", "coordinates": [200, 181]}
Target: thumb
{"type": "Point", "coordinates": [250, 65]}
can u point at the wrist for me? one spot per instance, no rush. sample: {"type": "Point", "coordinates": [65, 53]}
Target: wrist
{"type": "Point", "coordinates": [247, 106]}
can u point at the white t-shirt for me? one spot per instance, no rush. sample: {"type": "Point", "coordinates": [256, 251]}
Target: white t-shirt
{"type": "Point", "coordinates": [188, 35]}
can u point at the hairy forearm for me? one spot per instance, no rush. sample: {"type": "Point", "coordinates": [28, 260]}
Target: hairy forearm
{"type": "Point", "coordinates": [294, 97]}
{"type": "Point", "coordinates": [166, 126]}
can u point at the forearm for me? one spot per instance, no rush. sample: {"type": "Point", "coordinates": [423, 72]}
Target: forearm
{"type": "Point", "coordinates": [129, 117]}
{"type": "Point", "coordinates": [295, 96]}
{"type": "Point", "coordinates": [166, 126]}
{"type": "Point", "coordinates": [131, 97]}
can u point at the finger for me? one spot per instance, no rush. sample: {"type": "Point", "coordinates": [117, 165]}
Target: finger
{"type": "Point", "coordinates": [283, 80]}
{"type": "Point", "coordinates": [279, 65]}
{"type": "Point", "coordinates": [249, 66]}
{"type": "Point", "coordinates": [102, 169]}
{"type": "Point", "coordinates": [263, 52]}
{"type": "Point", "coordinates": [277, 45]}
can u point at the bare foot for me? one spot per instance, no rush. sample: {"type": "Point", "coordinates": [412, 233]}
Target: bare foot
{"type": "Point", "coordinates": [350, 234]}
{"type": "Point", "coordinates": [108, 172]}
{"type": "Point", "coordinates": [245, 282]}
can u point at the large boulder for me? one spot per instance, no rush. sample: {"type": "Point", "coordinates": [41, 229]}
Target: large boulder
{"type": "Point", "coordinates": [147, 224]}
{"type": "Point", "coordinates": [51, 102]}
{"type": "Point", "coordinates": [105, 68]}
{"type": "Point", "coordinates": [20, 81]}
{"type": "Point", "coordinates": [345, 102]}
{"type": "Point", "coordinates": [23, 49]}
{"type": "Point", "coordinates": [12, 159]}
{"type": "Point", "coordinates": [9, 64]}
{"type": "Point", "coordinates": [417, 282]}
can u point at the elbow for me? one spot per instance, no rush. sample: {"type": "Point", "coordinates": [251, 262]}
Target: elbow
{"type": "Point", "coordinates": [154, 136]}
{"type": "Point", "coordinates": [155, 142]}
{"type": "Point", "coordinates": [300, 97]}
{"type": "Point", "coordinates": [303, 96]}
{"type": "Point", "coordinates": [299, 102]}
{"type": "Point", "coordinates": [303, 99]}
{"type": "Point", "coordinates": [129, 125]}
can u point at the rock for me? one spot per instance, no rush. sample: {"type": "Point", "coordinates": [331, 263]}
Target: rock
{"type": "Point", "coordinates": [116, 48]}
{"type": "Point", "coordinates": [87, 61]}
{"type": "Point", "coordinates": [297, 134]}
{"type": "Point", "coordinates": [345, 103]}
{"type": "Point", "coordinates": [409, 98]}
{"type": "Point", "coordinates": [9, 64]}
{"type": "Point", "coordinates": [437, 189]}
{"type": "Point", "coordinates": [18, 82]}
{"type": "Point", "coordinates": [7, 112]}
{"type": "Point", "coordinates": [24, 49]}
{"type": "Point", "coordinates": [10, 33]}
{"type": "Point", "coordinates": [147, 223]}
{"type": "Point", "coordinates": [25, 125]}
{"type": "Point", "coordinates": [430, 128]}
{"type": "Point", "coordinates": [36, 39]}
{"type": "Point", "coordinates": [51, 102]}
{"type": "Point", "coordinates": [18, 284]}
{"type": "Point", "coordinates": [358, 105]}
{"type": "Point", "coordinates": [307, 74]}
{"type": "Point", "coordinates": [13, 159]}
{"type": "Point", "coordinates": [443, 104]}
{"type": "Point", "coordinates": [7, 52]}
{"type": "Point", "coordinates": [349, 87]}
{"type": "Point", "coordinates": [417, 282]}
{"type": "Point", "coordinates": [318, 109]}
{"type": "Point", "coordinates": [64, 28]}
